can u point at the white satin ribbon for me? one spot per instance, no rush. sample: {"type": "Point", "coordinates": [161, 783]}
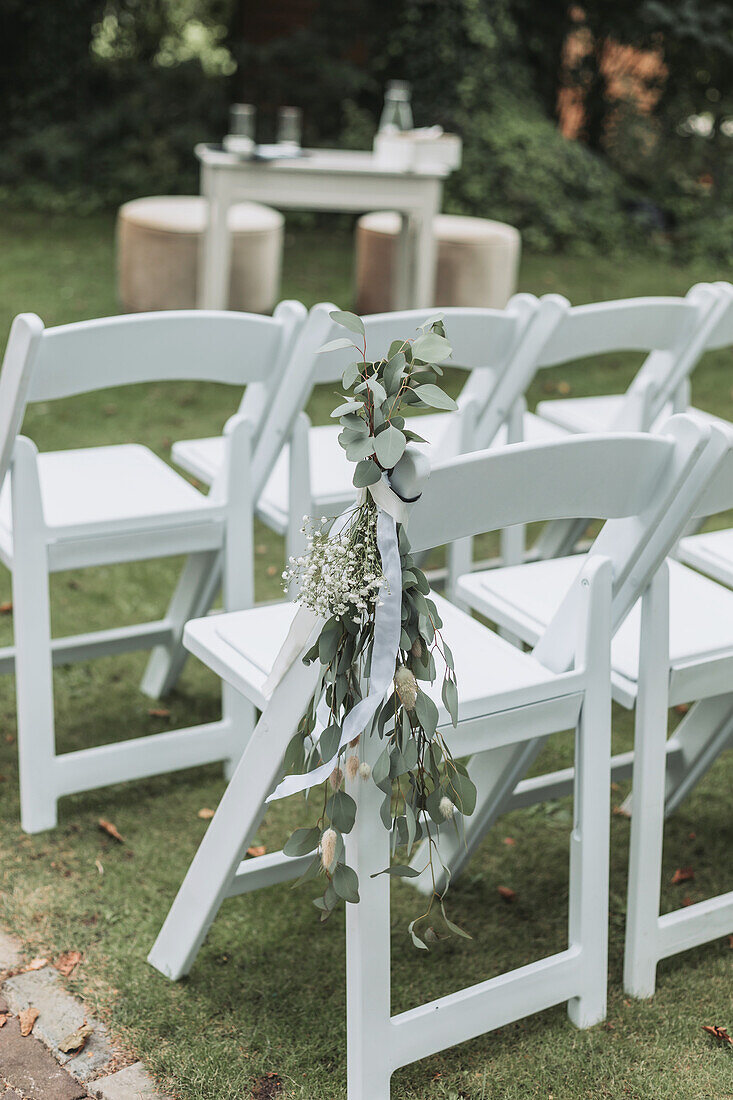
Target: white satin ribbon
{"type": "Point", "coordinates": [387, 628]}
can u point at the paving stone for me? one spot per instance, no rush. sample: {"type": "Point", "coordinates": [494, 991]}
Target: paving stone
{"type": "Point", "coordinates": [132, 1083]}
{"type": "Point", "coordinates": [59, 1015]}
{"type": "Point", "coordinates": [31, 1070]}
{"type": "Point", "coordinates": [10, 954]}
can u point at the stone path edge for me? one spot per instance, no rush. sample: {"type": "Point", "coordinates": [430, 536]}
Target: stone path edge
{"type": "Point", "coordinates": [60, 1012]}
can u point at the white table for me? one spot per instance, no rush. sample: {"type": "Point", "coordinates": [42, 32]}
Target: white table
{"type": "Point", "coordinates": [324, 179]}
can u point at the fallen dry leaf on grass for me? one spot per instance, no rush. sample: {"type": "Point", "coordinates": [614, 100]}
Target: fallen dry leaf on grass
{"type": "Point", "coordinates": [111, 830]}
{"type": "Point", "coordinates": [256, 850]}
{"type": "Point", "coordinates": [74, 1042]}
{"type": "Point", "coordinates": [506, 893]}
{"type": "Point", "coordinates": [159, 712]}
{"type": "Point", "coordinates": [6, 608]}
{"type": "Point", "coordinates": [27, 1019]}
{"type": "Point", "coordinates": [686, 901]}
{"type": "Point", "coordinates": [682, 874]}
{"type": "Point", "coordinates": [718, 1033]}
{"type": "Point", "coordinates": [205, 813]}
{"type": "Point", "coordinates": [620, 811]}
{"type": "Point", "coordinates": [509, 841]}
{"type": "Point", "coordinates": [37, 964]}
{"type": "Point", "coordinates": [68, 962]}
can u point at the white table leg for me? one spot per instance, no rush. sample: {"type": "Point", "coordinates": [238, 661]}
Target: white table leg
{"type": "Point", "coordinates": [404, 274]}
{"type": "Point", "coordinates": [426, 255]}
{"type": "Point", "coordinates": [216, 245]}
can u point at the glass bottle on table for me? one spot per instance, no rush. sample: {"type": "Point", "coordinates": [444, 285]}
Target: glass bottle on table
{"type": "Point", "coordinates": [397, 110]}
{"type": "Point", "coordinates": [289, 128]}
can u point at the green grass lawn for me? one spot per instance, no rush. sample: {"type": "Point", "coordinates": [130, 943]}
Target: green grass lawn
{"type": "Point", "coordinates": [267, 991]}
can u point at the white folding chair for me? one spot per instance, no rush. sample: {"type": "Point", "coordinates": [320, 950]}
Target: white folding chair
{"type": "Point", "coordinates": [672, 330]}
{"type": "Point", "coordinates": [656, 664]}
{"type": "Point", "coordinates": [312, 476]}
{"type": "Point", "coordinates": [102, 505]}
{"type": "Point", "coordinates": [508, 699]}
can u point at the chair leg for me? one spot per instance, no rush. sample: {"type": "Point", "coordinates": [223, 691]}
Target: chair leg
{"type": "Point", "coordinates": [242, 717]}
{"type": "Point", "coordinates": [210, 876]}
{"type": "Point", "coordinates": [589, 854]}
{"type": "Point", "coordinates": [368, 952]}
{"type": "Point", "coordinates": [34, 688]}
{"type": "Point", "coordinates": [647, 821]}
{"type": "Point", "coordinates": [193, 597]}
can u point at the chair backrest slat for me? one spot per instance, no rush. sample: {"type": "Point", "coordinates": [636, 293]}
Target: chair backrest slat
{"type": "Point", "coordinates": [605, 476]}
{"type": "Point", "coordinates": [177, 345]}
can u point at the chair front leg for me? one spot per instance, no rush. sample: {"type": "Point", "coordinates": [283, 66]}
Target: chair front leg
{"type": "Point", "coordinates": [647, 820]}
{"type": "Point", "coordinates": [369, 1066]}
{"type": "Point", "coordinates": [33, 656]}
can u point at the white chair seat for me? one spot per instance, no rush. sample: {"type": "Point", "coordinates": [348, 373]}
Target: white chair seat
{"type": "Point", "coordinates": [711, 553]}
{"type": "Point", "coordinates": [331, 473]}
{"type": "Point", "coordinates": [582, 414]}
{"type": "Point", "coordinates": [524, 598]}
{"type": "Point", "coordinates": [106, 488]}
{"type": "Point", "coordinates": [244, 644]}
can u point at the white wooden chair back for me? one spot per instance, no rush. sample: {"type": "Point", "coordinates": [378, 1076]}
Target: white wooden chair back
{"type": "Point", "coordinates": [673, 331]}
{"type": "Point", "coordinates": [15, 380]}
{"type": "Point", "coordinates": [610, 476]}
{"type": "Point", "coordinates": [637, 545]}
{"type": "Point", "coordinates": [45, 364]}
{"type": "Point", "coordinates": [645, 486]}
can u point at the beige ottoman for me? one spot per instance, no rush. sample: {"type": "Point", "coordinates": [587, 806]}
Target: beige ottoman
{"type": "Point", "coordinates": [477, 261]}
{"type": "Point", "coordinates": [158, 241]}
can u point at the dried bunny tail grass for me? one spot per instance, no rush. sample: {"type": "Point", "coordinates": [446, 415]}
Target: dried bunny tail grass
{"type": "Point", "coordinates": [328, 849]}
{"type": "Point", "coordinates": [406, 686]}
{"type": "Point", "coordinates": [352, 767]}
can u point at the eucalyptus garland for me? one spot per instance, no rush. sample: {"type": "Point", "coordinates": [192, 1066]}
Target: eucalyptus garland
{"type": "Point", "coordinates": [340, 578]}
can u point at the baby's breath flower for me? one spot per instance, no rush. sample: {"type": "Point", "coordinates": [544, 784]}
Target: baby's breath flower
{"type": "Point", "coordinates": [340, 574]}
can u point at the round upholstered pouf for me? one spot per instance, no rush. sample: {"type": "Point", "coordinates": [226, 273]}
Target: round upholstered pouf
{"type": "Point", "coordinates": [158, 242]}
{"type": "Point", "coordinates": [477, 261]}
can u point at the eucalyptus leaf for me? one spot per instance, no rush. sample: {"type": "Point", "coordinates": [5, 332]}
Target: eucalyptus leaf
{"type": "Point", "coordinates": [347, 407]}
{"type": "Point", "coordinates": [302, 841]}
{"type": "Point", "coordinates": [347, 320]}
{"type": "Point", "coordinates": [430, 348]}
{"type": "Point", "coordinates": [450, 698]}
{"type": "Point", "coordinates": [390, 447]}
{"type": "Point", "coordinates": [415, 938]}
{"type": "Point", "coordinates": [366, 473]}
{"type": "Point", "coordinates": [380, 771]}
{"type": "Point", "coordinates": [427, 713]}
{"type": "Point", "coordinates": [435, 397]}
{"type": "Point", "coordinates": [360, 448]}
{"type": "Point", "coordinates": [336, 345]}
{"type": "Point", "coordinates": [341, 809]}
{"type": "Point", "coordinates": [377, 390]}
{"type": "Point", "coordinates": [350, 375]}
{"type": "Point", "coordinates": [346, 883]}
{"type": "Point", "coordinates": [329, 742]}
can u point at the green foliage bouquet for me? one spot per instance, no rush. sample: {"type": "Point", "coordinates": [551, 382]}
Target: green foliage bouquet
{"type": "Point", "coordinates": [343, 579]}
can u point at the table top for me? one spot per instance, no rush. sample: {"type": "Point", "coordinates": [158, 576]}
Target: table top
{"type": "Point", "coordinates": [347, 162]}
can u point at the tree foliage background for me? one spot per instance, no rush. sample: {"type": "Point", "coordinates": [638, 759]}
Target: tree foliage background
{"type": "Point", "coordinates": [103, 100]}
